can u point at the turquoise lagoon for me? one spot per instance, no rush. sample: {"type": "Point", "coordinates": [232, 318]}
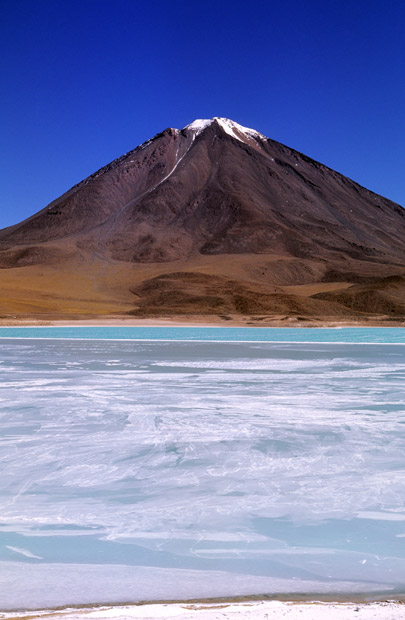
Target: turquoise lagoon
{"type": "Point", "coordinates": [174, 463]}
{"type": "Point", "coordinates": [385, 335]}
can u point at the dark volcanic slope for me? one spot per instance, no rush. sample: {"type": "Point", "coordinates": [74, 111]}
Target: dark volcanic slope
{"type": "Point", "coordinates": [217, 188]}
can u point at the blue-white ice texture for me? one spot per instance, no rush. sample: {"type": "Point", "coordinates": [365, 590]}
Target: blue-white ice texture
{"type": "Point", "coordinates": [196, 468]}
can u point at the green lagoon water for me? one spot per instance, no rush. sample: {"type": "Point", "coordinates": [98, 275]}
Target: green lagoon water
{"type": "Point", "coordinates": [385, 335]}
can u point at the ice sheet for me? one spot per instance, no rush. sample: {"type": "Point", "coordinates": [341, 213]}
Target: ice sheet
{"type": "Point", "coordinates": [267, 461]}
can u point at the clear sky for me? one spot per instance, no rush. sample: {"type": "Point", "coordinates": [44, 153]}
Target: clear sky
{"type": "Point", "coordinates": [83, 81]}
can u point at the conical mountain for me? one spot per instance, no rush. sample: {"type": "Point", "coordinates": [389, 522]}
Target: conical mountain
{"type": "Point", "coordinates": [196, 219]}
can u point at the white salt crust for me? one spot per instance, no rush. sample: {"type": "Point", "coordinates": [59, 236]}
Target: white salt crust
{"type": "Point", "coordinates": [261, 610]}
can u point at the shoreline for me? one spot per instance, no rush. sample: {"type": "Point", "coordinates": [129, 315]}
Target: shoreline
{"type": "Point", "coordinates": [197, 321]}
{"type": "Point", "coordinates": [391, 594]}
{"type": "Point", "coordinates": [249, 608]}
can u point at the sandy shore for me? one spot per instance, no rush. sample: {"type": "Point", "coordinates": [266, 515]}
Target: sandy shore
{"type": "Point", "coordinates": [249, 610]}
{"type": "Point", "coordinates": [191, 321]}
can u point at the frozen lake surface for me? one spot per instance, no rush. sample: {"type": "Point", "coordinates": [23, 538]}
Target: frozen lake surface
{"type": "Point", "coordinates": [143, 470]}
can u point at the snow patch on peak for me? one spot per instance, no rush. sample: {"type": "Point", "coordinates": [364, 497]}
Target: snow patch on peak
{"type": "Point", "coordinates": [199, 125]}
{"type": "Point", "coordinates": [237, 131]}
{"type": "Point", "coordinates": [243, 134]}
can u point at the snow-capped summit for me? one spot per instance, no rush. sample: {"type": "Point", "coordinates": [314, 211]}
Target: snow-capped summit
{"type": "Point", "coordinates": [232, 128]}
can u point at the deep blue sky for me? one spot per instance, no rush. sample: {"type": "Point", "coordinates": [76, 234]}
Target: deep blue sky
{"type": "Point", "coordinates": [83, 81]}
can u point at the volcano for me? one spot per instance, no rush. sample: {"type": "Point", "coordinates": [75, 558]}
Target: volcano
{"type": "Point", "coordinates": [213, 219]}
